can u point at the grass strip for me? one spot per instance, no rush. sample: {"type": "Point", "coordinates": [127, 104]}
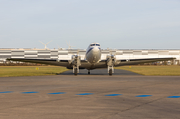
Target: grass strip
{"type": "Point", "coordinates": [9, 71]}
{"type": "Point", "coordinates": [153, 70]}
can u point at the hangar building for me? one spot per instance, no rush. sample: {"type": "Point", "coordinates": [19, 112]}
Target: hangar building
{"type": "Point", "coordinates": [67, 53]}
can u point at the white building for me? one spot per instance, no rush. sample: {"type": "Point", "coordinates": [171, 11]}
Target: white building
{"type": "Point", "coordinates": [67, 53]}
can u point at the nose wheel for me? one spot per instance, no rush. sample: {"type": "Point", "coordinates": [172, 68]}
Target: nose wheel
{"type": "Point", "coordinates": [88, 71]}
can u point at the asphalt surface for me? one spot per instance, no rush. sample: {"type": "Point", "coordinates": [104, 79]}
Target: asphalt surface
{"type": "Point", "coordinates": [100, 72]}
{"type": "Point", "coordinates": [90, 97]}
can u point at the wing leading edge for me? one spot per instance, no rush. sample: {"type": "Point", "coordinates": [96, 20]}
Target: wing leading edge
{"type": "Point", "coordinates": [103, 62]}
{"type": "Point", "coordinates": [55, 62]}
{"type": "Point", "coordinates": [42, 61]}
{"type": "Point", "coordinates": [140, 61]}
{"type": "Point", "coordinates": [108, 63]}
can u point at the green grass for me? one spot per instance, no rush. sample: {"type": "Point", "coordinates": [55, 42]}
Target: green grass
{"type": "Point", "coordinates": [153, 70]}
{"type": "Point", "coordinates": [8, 71]}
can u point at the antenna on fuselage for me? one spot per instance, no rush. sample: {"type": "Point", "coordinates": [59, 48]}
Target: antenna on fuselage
{"type": "Point", "coordinates": [45, 45]}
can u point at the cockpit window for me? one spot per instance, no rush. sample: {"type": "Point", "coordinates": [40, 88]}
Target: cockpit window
{"type": "Point", "coordinates": [93, 44]}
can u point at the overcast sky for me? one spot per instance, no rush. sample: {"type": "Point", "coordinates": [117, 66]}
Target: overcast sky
{"type": "Point", "coordinates": [122, 24]}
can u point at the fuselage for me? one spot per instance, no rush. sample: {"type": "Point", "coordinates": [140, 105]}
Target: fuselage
{"type": "Point", "coordinates": [93, 53]}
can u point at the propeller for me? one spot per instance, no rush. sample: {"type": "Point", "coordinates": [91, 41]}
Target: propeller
{"type": "Point", "coordinates": [111, 58]}
{"type": "Point", "coordinates": [111, 54]}
{"type": "Point", "coordinates": [75, 55]}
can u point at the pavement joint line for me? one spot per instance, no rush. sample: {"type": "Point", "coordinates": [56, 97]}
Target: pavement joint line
{"type": "Point", "coordinates": [143, 95]}
{"type": "Point", "coordinates": [136, 106]}
{"type": "Point", "coordinates": [173, 97]}
{"type": "Point", "coordinates": [7, 92]}
{"type": "Point", "coordinates": [57, 93]}
{"type": "Point", "coordinates": [30, 92]}
{"type": "Point", "coordinates": [85, 94]}
{"type": "Point", "coordinates": [113, 94]}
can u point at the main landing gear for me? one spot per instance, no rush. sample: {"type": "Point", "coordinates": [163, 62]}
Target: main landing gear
{"type": "Point", "coordinates": [76, 63]}
{"type": "Point", "coordinates": [75, 71]}
{"type": "Point", "coordinates": [88, 71]}
{"type": "Point", "coordinates": [110, 70]}
{"type": "Point", "coordinates": [110, 64]}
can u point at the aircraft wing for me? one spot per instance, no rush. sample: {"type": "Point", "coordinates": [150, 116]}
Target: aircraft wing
{"type": "Point", "coordinates": [43, 61]}
{"type": "Point", "coordinates": [140, 61]}
{"type": "Point", "coordinates": [85, 64]}
{"type": "Point", "coordinates": [55, 62]}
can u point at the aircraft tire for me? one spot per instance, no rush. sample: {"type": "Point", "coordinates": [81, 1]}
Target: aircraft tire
{"type": "Point", "coordinates": [75, 71]}
{"type": "Point", "coordinates": [110, 72]}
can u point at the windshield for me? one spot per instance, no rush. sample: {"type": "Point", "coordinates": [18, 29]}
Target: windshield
{"type": "Point", "coordinates": [93, 44]}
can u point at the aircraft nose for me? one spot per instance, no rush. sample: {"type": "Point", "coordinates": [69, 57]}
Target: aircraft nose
{"type": "Point", "coordinates": [96, 50]}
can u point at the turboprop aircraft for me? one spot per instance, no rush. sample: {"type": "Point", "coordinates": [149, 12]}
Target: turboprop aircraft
{"type": "Point", "coordinates": [91, 61]}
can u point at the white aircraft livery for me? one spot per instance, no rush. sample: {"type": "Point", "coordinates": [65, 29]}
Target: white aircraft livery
{"type": "Point", "coordinates": [91, 61]}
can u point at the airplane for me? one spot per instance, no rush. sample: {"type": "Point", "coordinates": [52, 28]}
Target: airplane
{"type": "Point", "coordinates": [91, 61]}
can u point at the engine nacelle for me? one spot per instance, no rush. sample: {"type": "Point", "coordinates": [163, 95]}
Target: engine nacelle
{"type": "Point", "coordinates": [111, 59]}
{"type": "Point", "coordinates": [76, 59]}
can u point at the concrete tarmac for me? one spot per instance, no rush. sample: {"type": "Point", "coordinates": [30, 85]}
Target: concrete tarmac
{"type": "Point", "coordinates": [90, 97]}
